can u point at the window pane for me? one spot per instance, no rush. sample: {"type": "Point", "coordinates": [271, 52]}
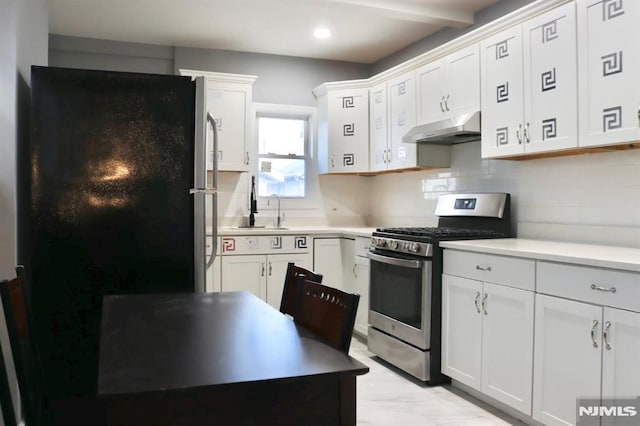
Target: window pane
{"type": "Point", "coordinates": [281, 136]}
{"type": "Point", "coordinates": [284, 177]}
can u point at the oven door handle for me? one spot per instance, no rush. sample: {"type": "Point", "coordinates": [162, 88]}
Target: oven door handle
{"type": "Point", "coordinates": [406, 263]}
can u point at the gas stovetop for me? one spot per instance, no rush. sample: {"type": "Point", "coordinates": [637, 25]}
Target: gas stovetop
{"type": "Point", "coordinates": [461, 217]}
{"type": "Point", "coordinates": [436, 233]}
{"type": "Point", "coordinates": [421, 241]}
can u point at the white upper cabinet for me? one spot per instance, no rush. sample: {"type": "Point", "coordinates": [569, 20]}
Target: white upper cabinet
{"type": "Point", "coordinates": [609, 63]}
{"type": "Point", "coordinates": [550, 70]}
{"type": "Point", "coordinates": [502, 94]}
{"type": "Point", "coordinates": [529, 89]}
{"type": "Point", "coordinates": [229, 101]}
{"type": "Point", "coordinates": [402, 117]}
{"type": "Point", "coordinates": [343, 130]}
{"type": "Point", "coordinates": [380, 155]}
{"type": "Point", "coordinates": [449, 86]}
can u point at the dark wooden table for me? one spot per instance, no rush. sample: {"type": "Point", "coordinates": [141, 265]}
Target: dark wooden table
{"type": "Point", "coordinates": [218, 359]}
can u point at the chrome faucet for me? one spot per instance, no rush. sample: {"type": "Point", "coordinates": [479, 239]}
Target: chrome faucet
{"type": "Point", "coordinates": [280, 219]}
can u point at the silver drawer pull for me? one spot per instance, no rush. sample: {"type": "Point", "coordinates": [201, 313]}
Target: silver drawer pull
{"type": "Point", "coordinates": [599, 288]}
{"type": "Point", "coordinates": [483, 268]}
{"type": "Point", "coordinates": [607, 326]}
{"type": "Point", "coordinates": [593, 333]}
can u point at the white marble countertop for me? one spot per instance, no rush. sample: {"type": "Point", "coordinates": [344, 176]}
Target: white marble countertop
{"type": "Point", "coordinates": [296, 230]}
{"type": "Point", "coordinates": [623, 258]}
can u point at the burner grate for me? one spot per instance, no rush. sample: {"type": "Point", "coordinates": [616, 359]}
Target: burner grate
{"type": "Point", "coordinates": [440, 232]}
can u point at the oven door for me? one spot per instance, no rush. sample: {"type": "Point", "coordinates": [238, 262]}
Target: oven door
{"type": "Point", "coordinates": [400, 297]}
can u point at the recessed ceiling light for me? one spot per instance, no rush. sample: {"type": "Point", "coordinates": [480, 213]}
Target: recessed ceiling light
{"type": "Point", "coordinates": [322, 33]}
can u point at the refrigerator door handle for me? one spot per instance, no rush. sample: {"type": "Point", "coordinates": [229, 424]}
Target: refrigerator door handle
{"type": "Point", "coordinates": [214, 192]}
{"type": "Point", "coordinates": [200, 186]}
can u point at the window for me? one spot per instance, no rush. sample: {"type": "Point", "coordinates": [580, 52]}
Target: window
{"type": "Point", "coordinates": [282, 155]}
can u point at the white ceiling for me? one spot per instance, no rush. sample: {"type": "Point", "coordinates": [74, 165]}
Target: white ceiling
{"type": "Point", "coordinates": [363, 31]}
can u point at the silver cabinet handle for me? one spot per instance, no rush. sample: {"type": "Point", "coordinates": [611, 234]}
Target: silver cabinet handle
{"type": "Point", "coordinates": [526, 133]}
{"type": "Point", "coordinates": [355, 270]}
{"type": "Point", "coordinates": [262, 269]}
{"type": "Point", "coordinates": [270, 269]}
{"type": "Point", "coordinates": [593, 333]}
{"type": "Point", "coordinates": [203, 191]}
{"type": "Point", "coordinates": [484, 303]}
{"type": "Point", "coordinates": [441, 106]}
{"type": "Point", "coordinates": [246, 157]}
{"type": "Point", "coordinates": [604, 289]}
{"type": "Point", "coordinates": [446, 103]}
{"type": "Point", "coordinates": [607, 326]}
{"type": "Point", "coordinates": [483, 268]}
{"type": "Point", "coordinates": [405, 263]}
{"type": "Point", "coordinates": [518, 133]}
{"type": "Point", "coordinates": [476, 301]}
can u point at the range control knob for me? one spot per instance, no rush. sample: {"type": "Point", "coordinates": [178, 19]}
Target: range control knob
{"type": "Point", "coordinates": [415, 247]}
{"type": "Point", "coordinates": [393, 244]}
{"type": "Point", "coordinates": [380, 242]}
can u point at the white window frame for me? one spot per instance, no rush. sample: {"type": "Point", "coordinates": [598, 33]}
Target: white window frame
{"type": "Point", "coordinates": [310, 200]}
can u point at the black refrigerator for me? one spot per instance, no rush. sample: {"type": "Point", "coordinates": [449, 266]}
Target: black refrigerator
{"type": "Point", "coordinates": [107, 205]}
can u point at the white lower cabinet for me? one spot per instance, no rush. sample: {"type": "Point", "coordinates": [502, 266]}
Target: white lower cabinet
{"type": "Point", "coordinates": [344, 265]}
{"type": "Point", "coordinates": [263, 275]}
{"type": "Point", "coordinates": [360, 283]}
{"type": "Point", "coordinates": [584, 349]}
{"type": "Point", "coordinates": [259, 263]}
{"type": "Point", "coordinates": [487, 339]}
{"type": "Point", "coordinates": [487, 325]}
{"type": "Point", "coordinates": [333, 258]}
{"type": "Point", "coordinates": [581, 342]}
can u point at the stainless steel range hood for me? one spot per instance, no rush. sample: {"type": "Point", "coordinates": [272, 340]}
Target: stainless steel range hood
{"type": "Point", "coordinates": [458, 129]}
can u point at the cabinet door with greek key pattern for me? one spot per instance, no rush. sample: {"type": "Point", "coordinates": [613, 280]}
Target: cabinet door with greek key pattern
{"type": "Point", "coordinates": [550, 75]}
{"type": "Point", "coordinates": [348, 116]}
{"type": "Point", "coordinates": [609, 64]}
{"type": "Point", "coordinates": [502, 94]}
{"type": "Point", "coordinates": [402, 117]}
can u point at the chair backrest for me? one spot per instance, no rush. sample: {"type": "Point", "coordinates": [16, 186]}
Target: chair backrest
{"type": "Point", "coordinates": [32, 394]}
{"type": "Point", "coordinates": [327, 312]}
{"type": "Point", "coordinates": [289, 294]}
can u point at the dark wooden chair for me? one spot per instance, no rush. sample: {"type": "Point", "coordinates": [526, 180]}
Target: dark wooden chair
{"type": "Point", "coordinates": [8, 413]}
{"type": "Point", "coordinates": [289, 294]}
{"type": "Point", "coordinates": [327, 312]}
{"type": "Point", "coordinates": [32, 393]}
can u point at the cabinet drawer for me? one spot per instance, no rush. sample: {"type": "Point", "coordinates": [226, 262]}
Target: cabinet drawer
{"type": "Point", "coordinates": [592, 285]}
{"type": "Point", "coordinates": [509, 271]}
{"type": "Point", "coordinates": [264, 244]}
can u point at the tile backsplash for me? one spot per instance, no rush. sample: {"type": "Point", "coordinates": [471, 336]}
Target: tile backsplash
{"type": "Point", "coordinates": [593, 198]}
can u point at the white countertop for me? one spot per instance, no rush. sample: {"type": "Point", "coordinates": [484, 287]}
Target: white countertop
{"type": "Point", "coordinates": [623, 258]}
{"type": "Point", "coordinates": [296, 230]}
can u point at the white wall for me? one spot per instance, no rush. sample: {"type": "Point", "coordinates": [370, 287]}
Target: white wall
{"type": "Point", "coordinates": [24, 34]}
{"type": "Point", "coordinates": [593, 198]}
{"type": "Point", "coordinates": [284, 80]}
{"type": "Point", "coordinates": [107, 55]}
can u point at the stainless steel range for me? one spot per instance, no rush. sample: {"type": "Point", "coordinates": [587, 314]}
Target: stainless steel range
{"type": "Point", "coordinates": [406, 279]}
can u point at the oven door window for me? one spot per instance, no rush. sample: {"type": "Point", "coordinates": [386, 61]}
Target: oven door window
{"type": "Point", "coordinates": [396, 292]}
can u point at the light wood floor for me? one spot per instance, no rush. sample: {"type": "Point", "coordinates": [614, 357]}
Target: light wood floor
{"type": "Point", "coordinates": [387, 396]}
